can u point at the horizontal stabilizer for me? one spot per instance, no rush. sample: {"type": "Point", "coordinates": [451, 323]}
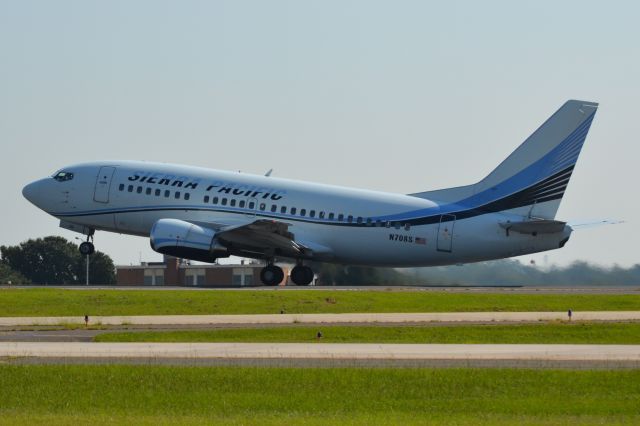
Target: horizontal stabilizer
{"type": "Point", "coordinates": [541, 226]}
{"type": "Point", "coordinates": [594, 223]}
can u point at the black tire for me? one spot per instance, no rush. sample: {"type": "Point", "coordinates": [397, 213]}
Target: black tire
{"type": "Point", "coordinates": [86, 248]}
{"type": "Point", "coordinates": [301, 275]}
{"type": "Point", "coordinates": [271, 275]}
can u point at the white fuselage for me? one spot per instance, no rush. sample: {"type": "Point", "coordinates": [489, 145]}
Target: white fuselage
{"type": "Point", "coordinates": [346, 225]}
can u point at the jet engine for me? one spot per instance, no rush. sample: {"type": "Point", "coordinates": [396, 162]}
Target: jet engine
{"type": "Point", "coordinates": [186, 240]}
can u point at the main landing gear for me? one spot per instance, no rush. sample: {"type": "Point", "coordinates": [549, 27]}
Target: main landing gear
{"type": "Point", "coordinates": [87, 248]}
{"type": "Point", "coordinates": [273, 275]}
{"type": "Point", "coordinates": [302, 275]}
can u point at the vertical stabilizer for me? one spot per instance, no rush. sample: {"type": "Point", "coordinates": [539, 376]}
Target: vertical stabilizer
{"type": "Point", "coordinates": [533, 179]}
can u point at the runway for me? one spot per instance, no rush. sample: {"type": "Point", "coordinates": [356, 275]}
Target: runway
{"type": "Point", "coordinates": [575, 356]}
{"type": "Point", "coordinates": [362, 318]}
{"type": "Point", "coordinates": [32, 340]}
{"type": "Point", "coordinates": [497, 289]}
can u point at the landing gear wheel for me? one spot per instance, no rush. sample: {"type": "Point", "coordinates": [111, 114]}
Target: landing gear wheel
{"type": "Point", "coordinates": [86, 248]}
{"type": "Point", "coordinates": [301, 275]}
{"type": "Point", "coordinates": [271, 275]}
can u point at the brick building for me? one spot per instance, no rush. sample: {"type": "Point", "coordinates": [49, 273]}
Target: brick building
{"type": "Point", "coordinates": [175, 272]}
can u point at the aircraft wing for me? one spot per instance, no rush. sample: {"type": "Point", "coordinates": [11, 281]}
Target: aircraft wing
{"type": "Point", "coordinates": [270, 237]}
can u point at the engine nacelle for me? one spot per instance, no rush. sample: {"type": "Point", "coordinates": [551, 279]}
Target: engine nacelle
{"type": "Point", "coordinates": [186, 240]}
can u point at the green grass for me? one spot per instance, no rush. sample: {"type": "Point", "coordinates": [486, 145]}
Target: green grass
{"type": "Point", "coordinates": [61, 302]}
{"type": "Point", "coordinates": [117, 394]}
{"type": "Point", "coordinates": [577, 333]}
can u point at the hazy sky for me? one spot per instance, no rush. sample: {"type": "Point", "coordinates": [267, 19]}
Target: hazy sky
{"type": "Point", "coordinates": [397, 96]}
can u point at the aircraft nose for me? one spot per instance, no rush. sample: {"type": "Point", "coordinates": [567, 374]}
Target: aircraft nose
{"type": "Point", "coordinates": [30, 191]}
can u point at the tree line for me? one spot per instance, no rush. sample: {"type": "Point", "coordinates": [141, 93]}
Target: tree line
{"type": "Point", "coordinates": [513, 272]}
{"type": "Point", "coordinates": [53, 261]}
{"type": "Point", "coordinates": [56, 261]}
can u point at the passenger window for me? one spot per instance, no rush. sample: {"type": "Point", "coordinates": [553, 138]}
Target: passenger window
{"type": "Point", "coordinates": [283, 209]}
{"type": "Point", "coordinates": [368, 221]}
{"type": "Point", "coordinates": [241, 203]}
{"type": "Point", "coordinates": [274, 208]}
{"type": "Point", "coordinates": [252, 205]}
{"type": "Point", "coordinates": [293, 210]}
{"type": "Point", "coordinates": [396, 225]}
{"type": "Point", "coordinates": [130, 188]}
{"type": "Point", "coordinates": [187, 196]}
{"type": "Point", "coordinates": [350, 219]}
{"type": "Point", "coordinates": [139, 190]}
{"type": "Point", "coordinates": [321, 215]}
{"type": "Point", "coordinates": [121, 187]}
{"type": "Point", "coordinates": [312, 213]}
{"type": "Point", "coordinates": [303, 212]}
{"type": "Point", "coordinates": [148, 191]}
{"type": "Point", "coordinates": [167, 193]}
{"type": "Point", "coordinates": [340, 217]}
{"type": "Point", "coordinates": [359, 219]}
{"type": "Point", "coordinates": [388, 224]}
{"type": "Point", "coordinates": [263, 206]}
{"type": "Point", "coordinates": [177, 195]}
{"type": "Point", "coordinates": [407, 226]}
{"type": "Point", "coordinates": [224, 202]}
{"type": "Point", "coordinates": [206, 198]}
{"type": "Point", "coordinates": [378, 223]}
{"type": "Point", "coordinates": [215, 200]}
{"type": "Point", "coordinates": [233, 202]}
{"type": "Point", "coordinates": [158, 192]}
{"type": "Point", "coordinates": [331, 216]}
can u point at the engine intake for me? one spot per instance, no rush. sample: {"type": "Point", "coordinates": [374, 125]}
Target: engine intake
{"type": "Point", "coordinates": [186, 240]}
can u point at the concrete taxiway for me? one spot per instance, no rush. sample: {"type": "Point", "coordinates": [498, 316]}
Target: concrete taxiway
{"type": "Point", "coordinates": [363, 318]}
{"type": "Point", "coordinates": [320, 350]}
{"type": "Point", "coordinates": [575, 356]}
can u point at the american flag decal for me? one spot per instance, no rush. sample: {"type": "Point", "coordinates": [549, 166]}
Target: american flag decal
{"type": "Point", "coordinates": [422, 241]}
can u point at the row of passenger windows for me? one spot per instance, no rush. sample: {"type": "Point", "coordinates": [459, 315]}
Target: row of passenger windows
{"type": "Point", "coordinates": [293, 211]}
{"type": "Point", "coordinates": [251, 205]}
{"type": "Point", "coordinates": [158, 192]}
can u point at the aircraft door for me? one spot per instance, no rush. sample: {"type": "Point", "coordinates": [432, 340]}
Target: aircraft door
{"type": "Point", "coordinates": [103, 184]}
{"type": "Point", "coordinates": [445, 233]}
{"type": "Point", "coordinates": [252, 206]}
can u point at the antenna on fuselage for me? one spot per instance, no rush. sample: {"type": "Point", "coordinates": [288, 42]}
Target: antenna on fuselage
{"type": "Point", "coordinates": [268, 173]}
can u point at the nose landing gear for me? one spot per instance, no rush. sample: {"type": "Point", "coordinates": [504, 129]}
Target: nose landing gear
{"type": "Point", "coordinates": [87, 248]}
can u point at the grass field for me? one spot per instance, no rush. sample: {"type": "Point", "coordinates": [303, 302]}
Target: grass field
{"type": "Point", "coordinates": [555, 332]}
{"type": "Point", "coordinates": [61, 302]}
{"type": "Point", "coordinates": [227, 395]}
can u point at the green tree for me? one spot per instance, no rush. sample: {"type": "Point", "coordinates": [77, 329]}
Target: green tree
{"type": "Point", "coordinates": [54, 260]}
{"type": "Point", "coordinates": [101, 268]}
{"type": "Point", "coordinates": [9, 276]}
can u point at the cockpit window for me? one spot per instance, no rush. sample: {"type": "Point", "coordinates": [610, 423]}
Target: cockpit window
{"type": "Point", "coordinates": [63, 176]}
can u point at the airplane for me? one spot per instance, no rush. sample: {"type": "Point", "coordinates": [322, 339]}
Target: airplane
{"type": "Point", "coordinates": [204, 214]}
